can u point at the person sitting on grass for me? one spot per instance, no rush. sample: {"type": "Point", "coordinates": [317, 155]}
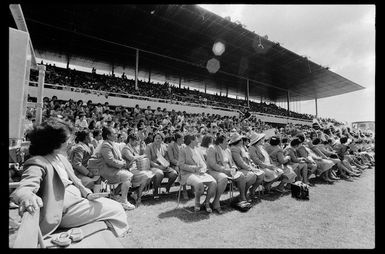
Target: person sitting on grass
{"type": "Point", "coordinates": [114, 168]}
{"type": "Point", "coordinates": [193, 172]}
{"type": "Point", "coordinates": [242, 161]}
{"type": "Point", "coordinates": [49, 183]}
{"type": "Point", "coordinates": [299, 164]}
{"type": "Point", "coordinates": [221, 166]}
{"type": "Point", "coordinates": [141, 177]}
{"type": "Point", "coordinates": [80, 154]}
{"type": "Point", "coordinates": [156, 152]}
{"type": "Point", "coordinates": [280, 160]}
{"type": "Point", "coordinates": [261, 158]}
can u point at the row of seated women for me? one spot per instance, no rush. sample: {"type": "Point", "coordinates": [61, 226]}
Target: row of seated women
{"type": "Point", "coordinates": [248, 161]}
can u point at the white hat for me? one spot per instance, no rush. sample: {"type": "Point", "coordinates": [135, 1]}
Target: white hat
{"type": "Point", "coordinates": [255, 137]}
{"type": "Point", "coordinates": [234, 137]}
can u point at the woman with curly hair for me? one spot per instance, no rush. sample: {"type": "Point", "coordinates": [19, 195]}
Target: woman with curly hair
{"type": "Point", "coordinates": [49, 183]}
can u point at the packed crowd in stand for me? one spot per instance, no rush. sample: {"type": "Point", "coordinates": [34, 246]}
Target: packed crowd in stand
{"type": "Point", "coordinates": [113, 84]}
{"type": "Point", "coordinates": [81, 147]}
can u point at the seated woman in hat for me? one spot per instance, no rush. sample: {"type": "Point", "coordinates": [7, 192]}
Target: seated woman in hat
{"type": "Point", "coordinates": [314, 161]}
{"type": "Point", "coordinates": [131, 153]}
{"type": "Point", "coordinates": [220, 165]}
{"type": "Point", "coordinates": [277, 156]}
{"type": "Point", "coordinates": [299, 164]}
{"type": "Point", "coordinates": [49, 183]}
{"type": "Point", "coordinates": [261, 158]}
{"type": "Point", "coordinates": [193, 172]}
{"type": "Point", "coordinates": [254, 176]}
{"type": "Point", "coordinates": [156, 152]}
{"type": "Point", "coordinates": [341, 148]}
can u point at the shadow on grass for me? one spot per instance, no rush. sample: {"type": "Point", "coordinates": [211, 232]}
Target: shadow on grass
{"type": "Point", "coordinates": [274, 195]}
{"type": "Point", "coordinates": [317, 180]}
{"type": "Point", "coordinates": [185, 214]}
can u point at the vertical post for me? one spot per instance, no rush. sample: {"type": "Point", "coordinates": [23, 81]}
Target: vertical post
{"type": "Point", "coordinates": [40, 89]}
{"type": "Point", "coordinates": [288, 102]}
{"type": "Point", "coordinates": [180, 81]}
{"type": "Point", "coordinates": [113, 68]}
{"type": "Point", "coordinates": [227, 91]}
{"type": "Point", "coordinates": [248, 92]}
{"type": "Point", "coordinates": [261, 99]}
{"type": "Point", "coordinates": [19, 65]}
{"type": "Point", "coordinates": [316, 108]}
{"type": "Point", "coordinates": [149, 75]}
{"type": "Point", "coordinates": [205, 86]}
{"type": "Point", "coordinates": [136, 69]}
{"type": "Point", "coordinates": [68, 61]}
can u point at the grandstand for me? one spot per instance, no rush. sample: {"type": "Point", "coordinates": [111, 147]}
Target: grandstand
{"type": "Point", "coordinates": [172, 44]}
{"type": "Point", "coordinates": [161, 60]}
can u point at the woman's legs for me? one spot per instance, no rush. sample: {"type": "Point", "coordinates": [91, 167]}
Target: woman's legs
{"type": "Point", "coordinates": [157, 180]}
{"type": "Point", "coordinates": [241, 185]}
{"type": "Point", "coordinates": [172, 176]}
{"type": "Point", "coordinates": [221, 179]}
{"type": "Point", "coordinates": [212, 188]}
{"type": "Point", "coordinates": [258, 181]}
{"type": "Point", "coordinates": [304, 173]}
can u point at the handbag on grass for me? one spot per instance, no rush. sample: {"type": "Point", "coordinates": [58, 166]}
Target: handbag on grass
{"type": "Point", "coordinates": [299, 190]}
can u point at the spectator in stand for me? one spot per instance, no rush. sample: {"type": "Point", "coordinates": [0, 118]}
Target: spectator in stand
{"type": "Point", "coordinates": [260, 157]}
{"type": "Point", "coordinates": [221, 166]}
{"type": "Point", "coordinates": [242, 162]}
{"type": "Point", "coordinates": [301, 168]}
{"type": "Point", "coordinates": [79, 156]}
{"type": "Point", "coordinates": [156, 152]}
{"type": "Point", "coordinates": [132, 154]}
{"type": "Point", "coordinates": [315, 161]}
{"type": "Point", "coordinates": [97, 138]}
{"type": "Point", "coordinates": [193, 172]}
{"type": "Point", "coordinates": [207, 140]}
{"type": "Point", "coordinates": [50, 184]}
{"type": "Point", "coordinates": [114, 168]}
{"type": "Point", "coordinates": [280, 160]}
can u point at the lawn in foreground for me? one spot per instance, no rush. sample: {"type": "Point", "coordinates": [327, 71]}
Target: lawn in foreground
{"type": "Point", "coordinates": [340, 215]}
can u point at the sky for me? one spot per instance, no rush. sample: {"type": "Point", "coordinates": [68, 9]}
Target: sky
{"type": "Point", "coordinates": [341, 37]}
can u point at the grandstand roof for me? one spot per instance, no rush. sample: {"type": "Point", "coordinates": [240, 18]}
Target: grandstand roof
{"type": "Point", "coordinates": [183, 32]}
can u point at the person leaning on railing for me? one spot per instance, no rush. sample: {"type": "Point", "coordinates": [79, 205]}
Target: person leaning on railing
{"type": "Point", "coordinates": [49, 183]}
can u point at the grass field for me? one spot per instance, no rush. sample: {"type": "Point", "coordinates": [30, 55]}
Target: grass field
{"type": "Point", "coordinates": [340, 215]}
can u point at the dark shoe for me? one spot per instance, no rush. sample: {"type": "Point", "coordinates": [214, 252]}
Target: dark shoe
{"type": "Point", "coordinates": [218, 210]}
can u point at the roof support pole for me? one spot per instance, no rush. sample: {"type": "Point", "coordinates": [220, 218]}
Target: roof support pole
{"type": "Point", "coordinates": [227, 91]}
{"type": "Point", "coordinates": [180, 81]}
{"type": "Point", "coordinates": [205, 87]}
{"type": "Point", "coordinates": [136, 69]}
{"type": "Point", "coordinates": [288, 102]}
{"type": "Point", "coordinates": [149, 75]}
{"type": "Point", "coordinates": [316, 108]}
{"type": "Point", "coordinates": [39, 104]}
{"type": "Point", "coordinates": [248, 92]}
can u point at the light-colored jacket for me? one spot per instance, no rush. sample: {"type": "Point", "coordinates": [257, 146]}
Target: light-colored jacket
{"type": "Point", "coordinates": [187, 165]}
{"type": "Point", "coordinates": [112, 159]}
{"type": "Point", "coordinates": [215, 160]}
{"type": "Point", "coordinates": [41, 177]}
